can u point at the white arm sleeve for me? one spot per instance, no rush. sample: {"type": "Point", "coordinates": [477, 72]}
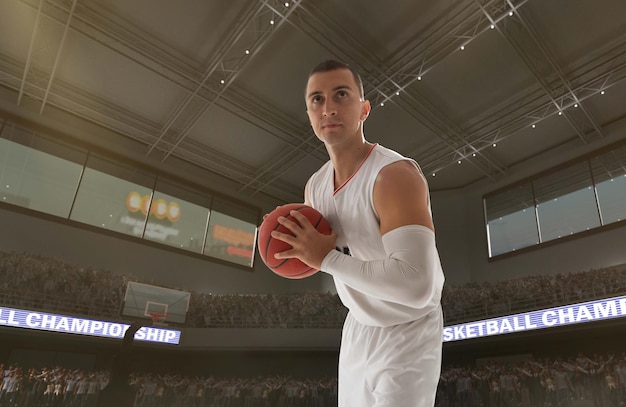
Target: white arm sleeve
{"type": "Point", "coordinates": [410, 275]}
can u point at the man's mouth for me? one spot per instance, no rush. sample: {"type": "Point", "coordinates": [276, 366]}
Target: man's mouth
{"type": "Point", "coordinates": [330, 125]}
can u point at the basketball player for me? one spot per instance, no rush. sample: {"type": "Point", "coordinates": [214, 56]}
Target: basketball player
{"type": "Point", "coordinates": [382, 252]}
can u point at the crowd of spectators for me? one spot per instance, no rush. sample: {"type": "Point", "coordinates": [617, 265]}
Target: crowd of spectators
{"type": "Point", "coordinates": [43, 283]}
{"type": "Point", "coordinates": [64, 387]}
{"type": "Point", "coordinates": [561, 381]}
{"type": "Point", "coordinates": [582, 380]}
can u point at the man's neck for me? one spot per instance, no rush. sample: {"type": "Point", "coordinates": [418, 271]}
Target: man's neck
{"type": "Point", "coordinates": [346, 161]}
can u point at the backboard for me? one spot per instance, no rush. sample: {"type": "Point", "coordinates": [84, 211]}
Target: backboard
{"type": "Point", "coordinates": [143, 300]}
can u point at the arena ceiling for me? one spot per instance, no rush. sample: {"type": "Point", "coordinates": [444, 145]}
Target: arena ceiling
{"type": "Point", "coordinates": [469, 88]}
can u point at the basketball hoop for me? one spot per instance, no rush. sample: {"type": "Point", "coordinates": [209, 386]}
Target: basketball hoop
{"type": "Point", "coordinates": [158, 318]}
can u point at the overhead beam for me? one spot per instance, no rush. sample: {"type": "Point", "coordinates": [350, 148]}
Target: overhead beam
{"type": "Point", "coordinates": [529, 46]}
{"type": "Point", "coordinates": [58, 56]}
{"type": "Point", "coordinates": [382, 85]}
{"type": "Point", "coordinates": [29, 57]}
{"type": "Point", "coordinates": [236, 52]}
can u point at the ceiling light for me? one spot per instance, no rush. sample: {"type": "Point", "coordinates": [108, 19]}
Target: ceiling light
{"type": "Point", "coordinates": [462, 47]}
{"type": "Point", "coordinates": [382, 103]}
{"type": "Point", "coordinates": [492, 26]}
{"type": "Point", "coordinates": [560, 113]}
{"type": "Point", "coordinates": [474, 155]}
{"type": "Point", "coordinates": [434, 174]}
{"type": "Point", "coordinates": [398, 93]}
{"type": "Point", "coordinates": [458, 162]}
{"type": "Point", "coordinates": [222, 81]}
{"type": "Point", "coordinates": [510, 13]}
{"type": "Point", "coordinates": [493, 145]}
{"type": "Point", "coordinates": [575, 104]}
{"type": "Point", "coordinates": [602, 93]}
{"type": "Point", "coordinates": [533, 126]}
{"type": "Point", "coordinates": [286, 4]}
{"type": "Point", "coordinates": [272, 22]}
{"type": "Point", "coordinates": [419, 78]}
{"type": "Point", "coordinates": [247, 51]}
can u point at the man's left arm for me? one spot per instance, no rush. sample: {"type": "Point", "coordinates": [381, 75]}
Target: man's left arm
{"type": "Point", "coordinates": [411, 273]}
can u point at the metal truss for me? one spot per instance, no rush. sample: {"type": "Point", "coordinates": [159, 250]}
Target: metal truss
{"type": "Point", "coordinates": [103, 28]}
{"type": "Point", "coordinates": [45, 49]}
{"type": "Point", "coordinates": [474, 143]}
{"type": "Point", "coordinates": [538, 58]}
{"type": "Point", "coordinates": [385, 81]}
{"type": "Point", "coordinates": [251, 33]}
{"type": "Point", "coordinates": [605, 68]}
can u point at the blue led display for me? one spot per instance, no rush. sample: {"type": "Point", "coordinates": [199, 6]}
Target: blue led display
{"type": "Point", "coordinates": [42, 321]}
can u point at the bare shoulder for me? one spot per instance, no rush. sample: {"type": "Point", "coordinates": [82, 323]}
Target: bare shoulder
{"type": "Point", "coordinates": [401, 196]}
{"type": "Point", "coordinates": [402, 177]}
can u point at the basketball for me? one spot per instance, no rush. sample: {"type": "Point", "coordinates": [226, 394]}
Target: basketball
{"type": "Point", "coordinates": [268, 246]}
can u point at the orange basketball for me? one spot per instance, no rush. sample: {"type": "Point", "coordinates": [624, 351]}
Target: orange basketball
{"type": "Point", "coordinates": [268, 246]}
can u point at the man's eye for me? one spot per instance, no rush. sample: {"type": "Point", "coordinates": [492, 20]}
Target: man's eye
{"type": "Point", "coordinates": [342, 94]}
{"type": "Point", "coordinates": [316, 99]}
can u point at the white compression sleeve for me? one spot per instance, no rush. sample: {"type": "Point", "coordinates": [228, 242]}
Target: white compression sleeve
{"type": "Point", "coordinates": [410, 275]}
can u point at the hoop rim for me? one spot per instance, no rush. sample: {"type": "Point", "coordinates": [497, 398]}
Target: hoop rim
{"type": "Point", "coordinates": [157, 316]}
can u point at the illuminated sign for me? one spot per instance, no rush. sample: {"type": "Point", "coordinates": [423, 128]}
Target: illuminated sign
{"type": "Point", "coordinates": [547, 318]}
{"type": "Point", "coordinates": [42, 321]}
{"type": "Point", "coordinates": [236, 238]}
{"type": "Point", "coordinates": [160, 208]}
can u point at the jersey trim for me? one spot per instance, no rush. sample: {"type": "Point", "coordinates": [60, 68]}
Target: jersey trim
{"type": "Point", "coordinates": [355, 171]}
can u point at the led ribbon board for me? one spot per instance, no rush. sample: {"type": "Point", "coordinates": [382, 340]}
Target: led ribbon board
{"type": "Point", "coordinates": [548, 318]}
{"type": "Point", "coordinates": [42, 321]}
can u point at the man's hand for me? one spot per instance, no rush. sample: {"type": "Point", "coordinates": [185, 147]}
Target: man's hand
{"type": "Point", "coordinates": [308, 245]}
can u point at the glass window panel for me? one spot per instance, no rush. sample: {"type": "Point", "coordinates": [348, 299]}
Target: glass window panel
{"type": "Point", "coordinates": [609, 174]}
{"type": "Point", "coordinates": [237, 210]}
{"type": "Point", "coordinates": [54, 147]}
{"type": "Point", "coordinates": [36, 180]}
{"type": "Point", "coordinates": [566, 202]}
{"type": "Point", "coordinates": [512, 232]}
{"type": "Point", "coordinates": [188, 194]}
{"type": "Point", "coordinates": [230, 239]}
{"type": "Point", "coordinates": [568, 214]}
{"type": "Point", "coordinates": [511, 222]}
{"type": "Point", "coordinates": [122, 171]}
{"type": "Point", "coordinates": [176, 222]}
{"type": "Point", "coordinates": [612, 199]}
{"type": "Point", "coordinates": [112, 203]}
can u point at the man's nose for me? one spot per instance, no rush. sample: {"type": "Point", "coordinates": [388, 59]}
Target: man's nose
{"type": "Point", "coordinates": [329, 109]}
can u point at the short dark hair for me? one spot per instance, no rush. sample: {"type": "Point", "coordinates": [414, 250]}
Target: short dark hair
{"type": "Point", "coordinates": [332, 64]}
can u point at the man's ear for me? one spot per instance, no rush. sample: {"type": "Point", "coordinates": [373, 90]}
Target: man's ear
{"type": "Point", "coordinates": [365, 110]}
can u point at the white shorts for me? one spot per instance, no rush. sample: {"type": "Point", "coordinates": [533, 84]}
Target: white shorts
{"type": "Point", "coordinates": [396, 366]}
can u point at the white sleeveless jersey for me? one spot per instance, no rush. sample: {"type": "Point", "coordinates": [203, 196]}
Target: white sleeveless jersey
{"type": "Point", "coordinates": [351, 213]}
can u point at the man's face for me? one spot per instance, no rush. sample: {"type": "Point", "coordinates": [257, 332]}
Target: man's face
{"type": "Point", "coordinates": [334, 105]}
